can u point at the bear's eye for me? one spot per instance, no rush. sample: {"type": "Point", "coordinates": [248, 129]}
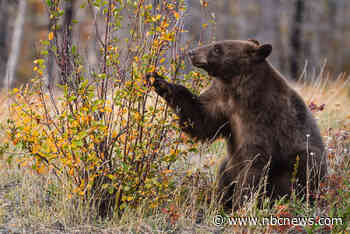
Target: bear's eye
{"type": "Point", "coordinates": [217, 50]}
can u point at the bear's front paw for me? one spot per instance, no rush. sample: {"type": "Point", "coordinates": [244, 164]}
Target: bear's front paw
{"type": "Point", "coordinates": [158, 82]}
{"type": "Point", "coordinates": [153, 78]}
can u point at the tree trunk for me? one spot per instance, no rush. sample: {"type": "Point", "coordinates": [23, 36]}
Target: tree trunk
{"type": "Point", "coordinates": [68, 18]}
{"type": "Point", "coordinates": [296, 39]}
{"type": "Point", "coordinates": [16, 45]}
{"type": "Point", "coordinates": [67, 40]}
{"type": "Point", "coordinates": [3, 37]}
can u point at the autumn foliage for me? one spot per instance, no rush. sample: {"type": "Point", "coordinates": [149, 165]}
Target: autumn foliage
{"type": "Point", "coordinates": [103, 132]}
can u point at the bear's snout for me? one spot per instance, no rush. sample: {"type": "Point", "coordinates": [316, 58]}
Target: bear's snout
{"type": "Point", "coordinates": [198, 59]}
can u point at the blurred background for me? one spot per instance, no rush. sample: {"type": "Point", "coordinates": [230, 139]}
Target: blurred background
{"type": "Point", "coordinates": [312, 32]}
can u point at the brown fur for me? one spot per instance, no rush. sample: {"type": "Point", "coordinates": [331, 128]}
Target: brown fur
{"type": "Point", "coordinates": [265, 122]}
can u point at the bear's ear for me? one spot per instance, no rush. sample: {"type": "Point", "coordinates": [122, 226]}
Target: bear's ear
{"type": "Point", "coordinates": [263, 52]}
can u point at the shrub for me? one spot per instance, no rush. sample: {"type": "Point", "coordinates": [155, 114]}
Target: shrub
{"type": "Point", "coordinates": [103, 133]}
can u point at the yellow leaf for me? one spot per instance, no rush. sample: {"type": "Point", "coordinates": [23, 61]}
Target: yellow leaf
{"type": "Point", "coordinates": [42, 170]}
{"type": "Point", "coordinates": [171, 6]}
{"type": "Point", "coordinates": [156, 18]}
{"type": "Point", "coordinates": [71, 172]}
{"type": "Point", "coordinates": [82, 184]}
{"type": "Point", "coordinates": [35, 149]}
{"type": "Point", "coordinates": [177, 15]}
{"type": "Point", "coordinates": [76, 190]}
{"type": "Point", "coordinates": [138, 116]}
{"type": "Point", "coordinates": [108, 109]}
{"type": "Point", "coordinates": [167, 171]}
{"type": "Point", "coordinates": [50, 36]}
{"type": "Point", "coordinates": [23, 164]}
{"type": "Point", "coordinates": [164, 24]}
{"type": "Point", "coordinates": [162, 60]}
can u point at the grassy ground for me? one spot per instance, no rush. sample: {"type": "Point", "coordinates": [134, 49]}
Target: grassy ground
{"type": "Point", "coordinates": [31, 202]}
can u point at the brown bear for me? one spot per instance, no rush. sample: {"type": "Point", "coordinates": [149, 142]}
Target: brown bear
{"type": "Point", "coordinates": [271, 135]}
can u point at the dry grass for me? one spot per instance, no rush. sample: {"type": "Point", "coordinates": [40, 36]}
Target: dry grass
{"type": "Point", "coordinates": [333, 93]}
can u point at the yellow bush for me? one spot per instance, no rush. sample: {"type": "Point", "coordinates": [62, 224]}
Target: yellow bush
{"type": "Point", "coordinates": [106, 134]}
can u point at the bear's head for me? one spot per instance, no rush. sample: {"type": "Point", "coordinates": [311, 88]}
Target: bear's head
{"type": "Point", "coordinates": [230, 58]}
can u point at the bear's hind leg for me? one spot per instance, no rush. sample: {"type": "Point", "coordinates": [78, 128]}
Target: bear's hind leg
{"type": "Point", "coordinates": [238, 182]}
{"type": "Point", "coordinates": [226, 184]}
